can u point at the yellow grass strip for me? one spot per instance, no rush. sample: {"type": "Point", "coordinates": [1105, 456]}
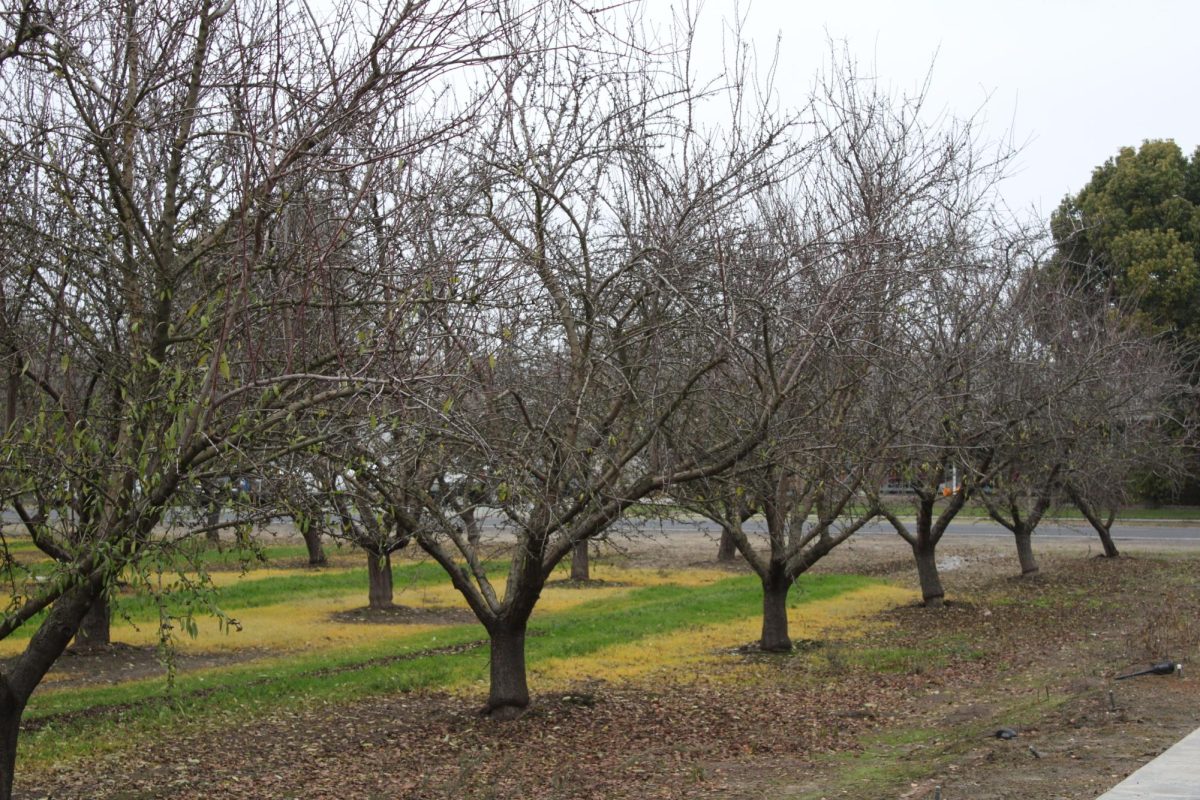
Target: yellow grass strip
{"type": "Point", "coordinates": [230, 577]}
{"type": "Point", "coordinates": [686, 652]}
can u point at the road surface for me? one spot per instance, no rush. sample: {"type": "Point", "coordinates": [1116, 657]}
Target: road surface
{"type": "Point", "coordinates": [1147, 533]}
{"type": "Point", "coordinates": [1144, 532]}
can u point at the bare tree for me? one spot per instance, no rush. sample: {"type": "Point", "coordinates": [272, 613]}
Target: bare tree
{"type": "Point", "coordinates": [585, 318]}
{"type": "Point", "coordinates": [921, 200]}
{"type": "Point", "coordinates": [863, 249]}
{"type": "Point", "coordinates": [804, 481]}
{"type": "Point", "coordinates": [375, 485]}
{"type": "Point", "coordinates": [1030, 451]}
{"type": "Point", "coordinates": [1122, 419]}
{"type": "Point", "coordinates": [1020, 500]}
{"type": "Point", "coordinates": [945, 448]}
{"type": "Point", "coordinates": [150, 317]}
{"type": "Point", "coordinates": [378, 535]}
{"type": "Point", "coordinates": [1023, 377]}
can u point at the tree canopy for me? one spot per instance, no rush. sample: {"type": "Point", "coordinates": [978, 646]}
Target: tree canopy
{"type": "Point", "coordinates": [1133, 233]}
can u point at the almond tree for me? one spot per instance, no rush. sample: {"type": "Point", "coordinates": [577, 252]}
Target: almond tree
{"type": "Point", "coordinates": [1029, 453]}
{"type": "Point", "coordinates": [921, 203]}
{"type": "Point", "coordinates": [585, 317]}
{"type": "Point", "coordinates": [157, 330]}
{"type": "Point", "coordinates": [1100, 394]}
{"type": "Point", "coordinates": [858, 251]}
{"type": "Point", "coordinates": [805, 480]}
{"type": "Point", "coordinates": [1021, 378]}
{"type": "Point", "coordinates": [951, 361]}
{"type": "Point", "coordinates": [1128, 423]}
{"type": "Point", "coordinates": [1018, 501]}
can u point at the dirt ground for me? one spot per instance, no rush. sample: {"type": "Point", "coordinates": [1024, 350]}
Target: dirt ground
{"type": "Point", "coordinates": [1036, 655]}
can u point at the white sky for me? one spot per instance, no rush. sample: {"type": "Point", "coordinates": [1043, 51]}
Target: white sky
{"type": "Point", "coordinates": [1072, 80]}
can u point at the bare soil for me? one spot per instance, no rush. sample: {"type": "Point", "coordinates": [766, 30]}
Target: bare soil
{"type": "Point", "coordinates": [119, 662]}
{"type": "Point", "coordinates": [911, 708]}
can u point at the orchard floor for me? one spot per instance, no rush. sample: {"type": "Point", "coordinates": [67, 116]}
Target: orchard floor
{"type": "Point", "coordinates": [909, 706]}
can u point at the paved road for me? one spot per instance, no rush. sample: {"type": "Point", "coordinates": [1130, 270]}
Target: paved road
{"type": "Point", "coordinates": [1122, 531]}
{"type": "Point", "coordinates": [1146, 532]}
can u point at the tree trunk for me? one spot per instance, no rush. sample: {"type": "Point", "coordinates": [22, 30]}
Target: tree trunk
{"type": "Point", "coordinates": [20, 676]}
{"type": "Point", "coordinates": [310, 523]}
{"type": "Point", "coordinates": [509, 694]}
{"type": "Point", "coordinates": [775, 637]}
{"type": "Point", "coordinates": [312, 542]}
{"type": "Point", "coordinates": [932, 593]}
{"type": "Point", "coordinates": [95, 629]}
{"type": "Point", "coordinates": [1025, 552]}
{"type": "Point", "coordinates": [727, 549]}
{"type": "Point", "coordinates": [1110, 547]}
{"type": "Point", "coordinates": [471, 523]}
{"type": "Point", "coordinates": [379, 577]}
{"type": "Point", "coordinates": [580, 566]}
{"type": "Point", "coordinates": [11, 708]}
{"type": "Point", "coordinates": [211, 521]}
{"type": "Point", "coordinates": [1102, 529]}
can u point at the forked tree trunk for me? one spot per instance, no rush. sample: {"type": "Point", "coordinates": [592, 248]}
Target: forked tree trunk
{"type": "Point", "coordinates": [509, 694]}
{"type": "Point", "coordinates": [580, 562]}
{"type": "Point", "coordinates": [1025, 552]}
{"type": "Point", "coordinates": [379, 580]}
{"type": "Point", "coordinates": [775, 638]}
{"type": "Point", "coordinates": [1103, 529]}
{"type": "Point", "coordinates": [95, 630]}
{"type": "Point", "coordinates": [727, 549]}
{"type": "Point", "coordinates": [932, 593]}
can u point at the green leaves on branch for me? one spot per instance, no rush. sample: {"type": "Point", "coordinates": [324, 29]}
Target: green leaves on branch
{"type": "Point", "coordinates": [1134, 231]}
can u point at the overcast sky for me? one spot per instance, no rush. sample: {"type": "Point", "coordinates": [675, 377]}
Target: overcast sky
{"type": "Point", "coordinates": [1073, 81]}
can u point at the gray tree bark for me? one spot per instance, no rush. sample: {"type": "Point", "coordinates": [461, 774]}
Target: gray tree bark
{"type": "Point", "coordinates": [95, 630]}
{"type": "Point", "coordinates": [379, 580]}
{"type": "Point", "coordinates": [581, 562]}
{"type": "Point", "coordinates": [509, 694]}
{"type": "Point", "coordinates": [1029, 564]}
{"type": "Point", "coordinates": [727, 549]}
{"type": "Point", "coordinates": [932, 593]}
